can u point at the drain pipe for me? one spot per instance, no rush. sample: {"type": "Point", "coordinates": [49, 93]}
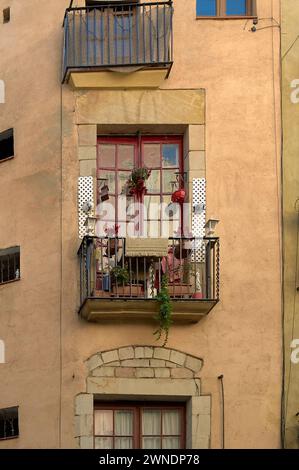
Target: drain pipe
{"type": "Point", "coordinates": [220, 378]}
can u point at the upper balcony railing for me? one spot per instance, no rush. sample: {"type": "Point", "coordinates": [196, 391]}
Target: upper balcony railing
{"type": "Point", "coordinates": [110, 272]}
{"type": "Point", "coordinates": [118, 35]}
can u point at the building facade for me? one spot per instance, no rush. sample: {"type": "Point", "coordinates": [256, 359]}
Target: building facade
{"type": "Point", "coordinates": [191, 93]}
{"type": "Point", "coordinates": [290, 110]}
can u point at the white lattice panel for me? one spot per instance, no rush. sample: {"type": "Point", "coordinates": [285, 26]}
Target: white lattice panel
{"type": "Point", "coordinates": [85, 194]}
{"type": "Point", "coordinates": [199, 215]}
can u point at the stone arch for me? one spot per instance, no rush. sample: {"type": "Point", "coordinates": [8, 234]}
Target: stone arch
{"type": "Point", "coordinates": [145, 371]}
{"type": "Point", "coordinates": [144, 362]}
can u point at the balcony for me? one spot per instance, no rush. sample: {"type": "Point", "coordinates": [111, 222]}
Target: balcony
{"type": "Point", "coordinates": [133, 40]}
{"type": "Point", "coordinates": [116, 284]}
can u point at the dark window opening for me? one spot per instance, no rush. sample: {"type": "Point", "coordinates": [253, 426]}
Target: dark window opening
{"type": "Point", "coordinates": [140, 426]}
{"type": "Point", "coordinates": [9, 264]}
{"type": "Point", "coordinates": [9, 423]}
{"type": "Point", "coordinates": [6, 15]}
{"type": "Point", "coordinates": [6, 144]}
{"type": "Point", "coordinates": [118, 5]}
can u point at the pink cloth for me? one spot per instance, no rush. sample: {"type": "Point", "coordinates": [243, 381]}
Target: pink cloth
{"type": "Point", "coordinates": [171, 266]}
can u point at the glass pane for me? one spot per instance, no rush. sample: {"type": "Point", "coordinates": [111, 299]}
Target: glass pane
{"type": "Point", "coordinates": [123, 443]}
{"type": "Point", "coordinates": [153, 228]}
{"type": "Point", "coordinates": [236, 7]}
{"type": "Point", "coordinates": [171, 443]}
{"type": "Point", "coordinates": [106, 211]}
{"type": "Point", "coordinates": [103, 422]}
{"type": "Point", "coordinates": [126, 156]}
{"type": "Point", "coordinates": [154, 209]}
{"type": "Point", "coordinates": [151, 422]}
{"type": "Point", "coordinates": [123, 177]}
{"type": "Point", "coordinates": [152, 155]}
{"type": "Point", "coordinates": [151, 443]}
{"type": "Point", "coordinates": [171, 423]}
{"type": "Point", "coordinates": [123, 423]}
{"type": "Point", "coordinates": [103, 443]}
{"type": "Point", "coordinates": [206, 8]}
{"type": "Point", "coordinates": [107, 177]}
{"type": "Point", "coordinates": [150, 202]}
{"type": "Point", "coordinates": [170, 211]}
{"type": "Point", "coordinates": [170, 155]}
{"type": "Point", "coordinates": [153, 183]}
{"type": "Point", "coordinates": [106, 156]}
{"type": "Point", "coordinates": [169, 178]}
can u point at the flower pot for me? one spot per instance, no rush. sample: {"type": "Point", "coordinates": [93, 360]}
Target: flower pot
{"type": "Point", "coordinates": [197, 295]}
{"type": "Point", "coordinates": [135, 290]}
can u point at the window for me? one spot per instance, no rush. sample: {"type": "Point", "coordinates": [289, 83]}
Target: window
{"type": "Point", "coordinates": [120, 4]}
{"type": "Point", "coordinates": [6, 15]}
{"type": "Point", "coordinates": [9, 265]}
{"type": "Point", "coordinates": [140, 426]}
{"type": "Point", "coordinates": [6, 144]}
{"type": "Point", "coordinates": [224, 8]}
{"type": "Point", "coordinates": [117, 157]}
{"type": "Point", "coordinates": [9, 423]}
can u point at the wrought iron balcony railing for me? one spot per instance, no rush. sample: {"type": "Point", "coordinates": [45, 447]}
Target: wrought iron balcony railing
{"type": "Point", "coordinates": [190, 269]}
{"type": "Point", "coordinates": [118, 35]}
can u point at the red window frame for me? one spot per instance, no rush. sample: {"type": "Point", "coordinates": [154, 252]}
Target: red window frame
{"type": "Point", "coordinates": [139, 144]}
{"type": "Point", "coordinates": [137, 409]}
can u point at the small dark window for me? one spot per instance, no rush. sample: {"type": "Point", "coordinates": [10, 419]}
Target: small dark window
{"type": "Point", "coordinates": [9, 423]}
{"type": "Point", "coordinates": [6, 144]}
{"type": "Point", "coordinates": [120, 5]}
{"type": "Point", "coordinates": [9, 264]}
{"type": "Point", "coordinates": [6, 15]}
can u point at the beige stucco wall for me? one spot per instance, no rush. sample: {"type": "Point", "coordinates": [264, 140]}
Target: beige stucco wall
{"type": "Point", "coordinates": [241, 338]}
{"type": "Point", "coordinates": [290, 61]}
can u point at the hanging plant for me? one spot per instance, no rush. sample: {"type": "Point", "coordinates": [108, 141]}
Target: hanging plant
{"type": "Point", "coordinates": [135, 185]}
{"type": "Point", "coordinates": [165, 312]}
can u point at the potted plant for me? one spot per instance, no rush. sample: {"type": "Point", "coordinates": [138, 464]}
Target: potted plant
{"type": "Point", "coordinates": [120, 275]}
{"type": "Point", "coordinates": [120, 283]}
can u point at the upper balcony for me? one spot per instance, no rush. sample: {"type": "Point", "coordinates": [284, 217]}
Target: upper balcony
{"type": "Point", "coordinates": [133, 40]}
{"type": "Point", "coordinates": [120, 278]}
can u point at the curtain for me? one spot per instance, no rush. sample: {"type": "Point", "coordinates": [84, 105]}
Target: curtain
{"type": "Point", "coordinates": [123, 429]}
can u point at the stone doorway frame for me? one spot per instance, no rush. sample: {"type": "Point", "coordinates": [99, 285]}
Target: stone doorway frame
{"type": "Point", "coordinates": [145, 373]}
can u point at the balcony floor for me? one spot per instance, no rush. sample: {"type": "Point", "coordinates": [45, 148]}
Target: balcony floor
{"type": "Point", "coordinates": [119, 310]}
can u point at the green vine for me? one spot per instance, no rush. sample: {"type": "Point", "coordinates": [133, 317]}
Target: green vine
{"type": "Point", "coordinates": [165, 313]}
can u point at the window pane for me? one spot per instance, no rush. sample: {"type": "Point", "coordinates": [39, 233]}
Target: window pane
{"type": "Point", "coordinates": [169, 180]}
{"type": "Point", "coordinates": [171, 423]}
{"type": "Point", "coordinates": [106, 211]}
{"type": "Point", "coordinates": [153, 183]}
{"type": "Point", "coordinates": [106, 156]}
{"type": "Point", "coordinates": [123, 443]}
{"type": "Point", "coordinates": [107, 177]}
{"type": "Point", "coordinates": [206, 8]}
{"type": "Point", "coordinates": [151, 443]}
{"type": "Point", "coordinates": [123, 423]}
{"type": "Point", "coordinates": [152, 204]}
{"type": "Point", "coordinates": [126, 156]}
{"type": "Point", "coordinates": [151, 422]}
{"type": "Point", "coordinates": [171, 443]}
{"type": "Point", "coordinates": [151, 155]}
{"type": "Point", "coordinates": [236, 7]}
{"type": "Point", "coordinates": [103, 443]}
{"type": "Point", "coordinates": [170, 155]}
{"type": "Point", "coordinates": [123, 177]}
{"type": "Point", "coordinates": [103, 425]}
